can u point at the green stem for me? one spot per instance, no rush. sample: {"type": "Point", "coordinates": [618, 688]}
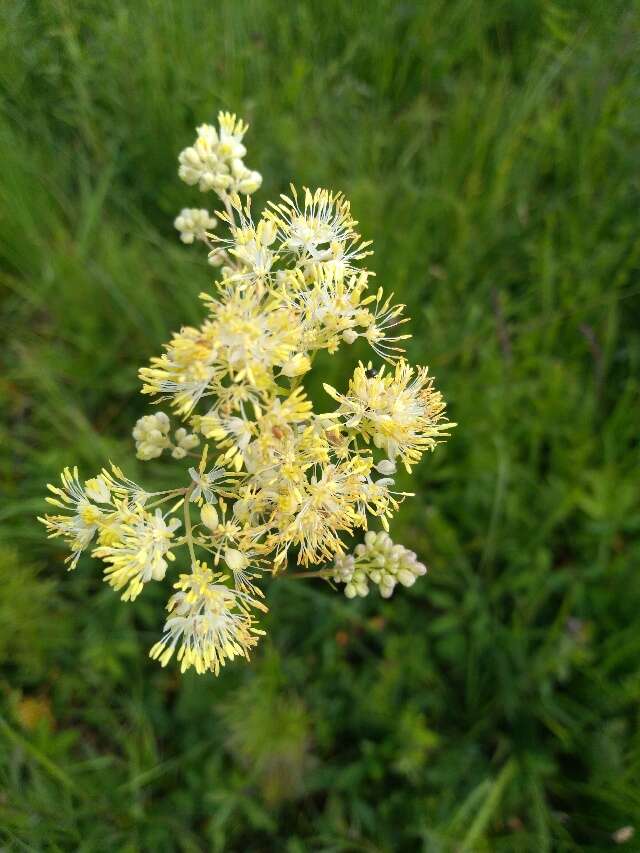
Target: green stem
{"type": "Point", "coordinates": [168, 497]}
{"type": "Point", "coordinates": [187, 525]}
{"type": "Point", "coordinates": [321, 573]}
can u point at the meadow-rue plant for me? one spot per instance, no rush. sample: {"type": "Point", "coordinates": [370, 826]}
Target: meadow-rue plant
{"type": "Point", "coordinates": [273, 481]}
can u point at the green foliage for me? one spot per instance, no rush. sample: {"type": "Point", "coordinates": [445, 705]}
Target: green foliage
{"type": "Point", "coordinates": [28, 603]}
{"type": "Point", "coordinates": [490, 149]}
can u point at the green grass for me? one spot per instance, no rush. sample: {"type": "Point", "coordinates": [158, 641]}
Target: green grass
{"type": "Point", "coordinates": [491, 150]}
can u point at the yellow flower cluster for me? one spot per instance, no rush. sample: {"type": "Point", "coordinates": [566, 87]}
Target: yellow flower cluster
{"type": "Point", "coordinates": [211, 621]}
{"type": "Point", "coordinates": [283, 483]}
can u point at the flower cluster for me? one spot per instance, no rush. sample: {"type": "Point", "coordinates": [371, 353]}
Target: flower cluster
{"type": "Point", "coordinates": [210, 620]}
{"type": "Point", "coordinates": [273, 481]}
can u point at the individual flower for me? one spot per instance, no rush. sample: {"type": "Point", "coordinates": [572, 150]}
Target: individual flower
{"type": "Point", "coordinates": [401, 411]}
{"type": "Point", "coordinates": [206, 484]}
{"type": "Point", "coordinates": [231, 434]}
{"type": "Point", "coordinates": [140, 553]}
{"type": "Point", "coordinates": [209, 623]}
{"type": "Point", "coordinates": [378, 499]}
{"type": "Point", "coordinates": [123, 487]}
{"type": "Point", "coordinates": [320, 229]}
{"type": "Point", "coordinates": [82, 517]}
{"type": "Point", "coordinates": [193, 224]}
{"type": "Point", "coordinates": [379, 561]}
{"type": "Point", "coordinates": [243, 565]}
{"type": "Point", "coordinates": [377, 321]}
{"type": "Point", "coordinates": [250, 244]}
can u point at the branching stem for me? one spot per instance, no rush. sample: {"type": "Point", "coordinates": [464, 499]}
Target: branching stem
{"type": "Point", "coordinates": [169, 496]}
{"type": "Point", "coordinates": [321, 573]}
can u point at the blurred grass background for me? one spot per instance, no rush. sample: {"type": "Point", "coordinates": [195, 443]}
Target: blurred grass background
{"type": "Point", "coordinates": [491, 150]}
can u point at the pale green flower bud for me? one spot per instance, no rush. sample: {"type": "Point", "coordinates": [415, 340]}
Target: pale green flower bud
{"type": "Point", "coordinates": [193, 224]}
{"type": "Point", "coordinates": [235, 559]}
{"type": "Point", "coordinates": [185, 441]}
{"type": "Point", "coordinates": [406, 577]}
{"type": "Point", "coordinates": [209, 516]}
{"type": "Point", "coordinates": [297, 365]}
{"type": "Point", "coordinates": [362, 588]}
{"type": "Point", "coordinates": [386, 467]}
{"type": "Point", "coordinates": [250, 184]}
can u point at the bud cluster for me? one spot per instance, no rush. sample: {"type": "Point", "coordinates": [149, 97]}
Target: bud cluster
{"type": "Point", "coordinates": [214, 161]}
{"type": "Point", "coordinates": [380, 562]}
{"type": "Point", "coordinates": [151, 435]}
{"type": "Point", "coordinates": [194, 224]}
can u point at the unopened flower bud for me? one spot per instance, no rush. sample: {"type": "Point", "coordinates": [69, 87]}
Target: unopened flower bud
{"type": "Point", "coordinates": [406, 577]}
{"type": "Point", "coordinates": [193, 224]}
{"type": "Point", "coordinates": [209, 516]}
{"type": "Point", "coordinates": [386, 467]}
{"type": "Point", "coordinates": [297, 365]}
{"type": "Point", "coordinates": [235, 559]}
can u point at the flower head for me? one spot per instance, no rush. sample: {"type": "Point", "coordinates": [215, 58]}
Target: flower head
{"type": "Point", "coordinates": [400, 411]}
{"type": "Point", "coordinates": [140, 552]}
{"type": "Point", "coordinates": [209, 623]}
{"type": "Point", "coordinates": [318, 230]}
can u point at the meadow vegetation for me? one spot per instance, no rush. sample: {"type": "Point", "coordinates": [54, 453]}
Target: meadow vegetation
{"type": "Point", "coordinates": [492, 152]}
